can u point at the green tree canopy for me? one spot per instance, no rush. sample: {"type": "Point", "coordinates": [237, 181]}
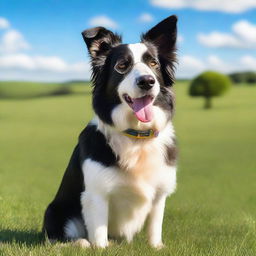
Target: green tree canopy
{"type": "Point", "coordinates": [209, 84]}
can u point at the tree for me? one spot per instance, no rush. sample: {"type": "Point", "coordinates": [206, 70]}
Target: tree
{"type": "Point", "coordinates": [209, 84]}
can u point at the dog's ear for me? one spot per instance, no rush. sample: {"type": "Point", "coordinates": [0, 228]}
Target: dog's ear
{"type": "Point", "coordinates": [163, 35]}
{"type": "Point", "coordinates": [100, 40]}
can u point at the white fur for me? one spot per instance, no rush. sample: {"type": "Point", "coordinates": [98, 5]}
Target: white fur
{"type": "Point", "coordinates": [156, 220]}
{"type": "Point", "coordinates": [137, 50]}
{"type": "Point", "coordinates": [117, 200]}
{"type": "Point", "coordinates": [95, 212]}
{"type": "Point", "coordinates": [128, 85]}
{"type": "Point", "coordinates": [82, 243]}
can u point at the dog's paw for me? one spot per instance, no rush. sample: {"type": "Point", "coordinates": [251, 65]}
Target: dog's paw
{"type": "Point", "coordinates": [83, 243]}
{"type": "Point", "coordinates": [101, 244]}
{"type": "Point", "coordinates": [158, 246]}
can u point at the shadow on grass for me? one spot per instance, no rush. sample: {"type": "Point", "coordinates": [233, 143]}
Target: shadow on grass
{"type": "Point", "coordinates": [28, 238]}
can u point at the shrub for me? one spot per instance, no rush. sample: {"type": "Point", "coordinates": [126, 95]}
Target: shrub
{"type": "Point", "coordinates": [243, 77]}
{"type": "Point", "coordinates": [251, 78]}
{"type": "Point", "coordinates": [237, 78]}
{"type": "Point", "coordinates": [209, 84]}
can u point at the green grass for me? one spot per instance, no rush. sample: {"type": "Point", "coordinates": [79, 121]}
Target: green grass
{"type": "Point", "coordinates": [212, 213]}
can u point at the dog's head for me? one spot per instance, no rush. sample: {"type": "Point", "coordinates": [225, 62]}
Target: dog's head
{"type": "Point", "coordinates": [132, 81]}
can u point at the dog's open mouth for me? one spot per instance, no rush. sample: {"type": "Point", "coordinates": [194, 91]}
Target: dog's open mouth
{"type": "Point", "coordinates": [142, 107]}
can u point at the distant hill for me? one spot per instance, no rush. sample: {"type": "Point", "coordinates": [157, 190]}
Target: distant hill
{"type": "Point", "coordinates": [25, 90]}
{"type": "Point", "coordinates": [77, 82]}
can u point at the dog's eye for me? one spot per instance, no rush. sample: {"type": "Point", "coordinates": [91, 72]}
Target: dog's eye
{"type": "Point", "coordinates": [153, 63]}
{"type": "Point", "coordinates": [121, 67]}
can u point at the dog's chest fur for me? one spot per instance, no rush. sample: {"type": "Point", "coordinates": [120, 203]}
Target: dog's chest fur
{"type": "Point", "coordinates": [132, 185]}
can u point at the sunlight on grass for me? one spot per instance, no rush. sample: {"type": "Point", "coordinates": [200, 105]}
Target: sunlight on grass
{"type": "Point", "coordinates": [212, 213]}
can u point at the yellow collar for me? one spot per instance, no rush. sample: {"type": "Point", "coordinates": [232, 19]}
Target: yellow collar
{"type": "Point", "coordinates": [148, 134]}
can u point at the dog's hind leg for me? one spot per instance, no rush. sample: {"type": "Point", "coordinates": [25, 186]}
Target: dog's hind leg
{"type": "Point", "coordinates": [53, 224]}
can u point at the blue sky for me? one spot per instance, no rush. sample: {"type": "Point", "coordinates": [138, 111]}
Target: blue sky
{"type": "Point", "coordinates": [41, 39]}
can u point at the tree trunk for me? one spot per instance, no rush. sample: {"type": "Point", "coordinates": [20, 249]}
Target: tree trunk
{"type": "Point", "coordinates": [208, 103]}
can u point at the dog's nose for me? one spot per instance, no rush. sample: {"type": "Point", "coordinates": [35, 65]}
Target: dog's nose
{"type": "Point", "coordinates": [145, 82]}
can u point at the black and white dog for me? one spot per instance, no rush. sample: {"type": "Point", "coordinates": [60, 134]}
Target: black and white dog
{"type": "Point", "coordinates": [124, 165]}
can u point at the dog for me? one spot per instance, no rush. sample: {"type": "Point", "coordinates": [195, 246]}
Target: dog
{"type": "Point", "coordinates": [124, 165]}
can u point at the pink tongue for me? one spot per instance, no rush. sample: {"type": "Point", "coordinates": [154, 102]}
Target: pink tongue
{"type": "Point", "coordinates": [142, 108]}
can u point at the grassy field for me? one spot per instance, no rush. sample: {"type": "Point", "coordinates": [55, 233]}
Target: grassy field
{"type": "Point", "coordinates": [28, 90]}
{"type": "Point", "coordinates": [212, 213]}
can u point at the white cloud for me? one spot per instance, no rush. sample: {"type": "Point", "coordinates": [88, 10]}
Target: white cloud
{"type": "Point", "coordinates": [16, 65]}
{"type": "Point", "coordinates": [146, 17]}
{"type": "Point", "coordinates": [248, 62]}
{"type": "Point", "coordinates": [21, 61]}
{"type": "Point", "coordinates": [4, 23]}
{"type": "Point", "coordinates": [41, 68]}
{"type": "Point", "coordinates": [51, 63]}
{"type": "Point", "coordinates": [190, 66]}
{"type": "Point", "coordinates": [189, 61]}
{"type": "Point", "coordinates": [217, 39]}
{"type": "Point", "coordinates": [229, 6]}
{"type": "Point", "coordinates": [213, 62]}
{"type": "Point", "coordinates": [243, 36]}
{"type": "Point", "coordinates": [245, 31]}
{"type": "Point", "coordinates": [13, 41]}
{"type": "Point", "coordinates": [47, 63]}
{"type": "Point", "coordinates": [103, 21]}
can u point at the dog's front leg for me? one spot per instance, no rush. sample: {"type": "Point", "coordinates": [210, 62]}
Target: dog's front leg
{"type": "Point", "coordinates": [95, 214]}
{"type": "Point", "coordinates": [155, 221]}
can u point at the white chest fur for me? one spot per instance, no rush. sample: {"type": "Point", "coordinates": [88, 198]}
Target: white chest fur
{"type": "Point", "coordinates": [130, 189]}
{"type": "Point", "coordinates": [130, 197]}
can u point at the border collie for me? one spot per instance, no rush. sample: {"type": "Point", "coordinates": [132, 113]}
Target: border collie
{"type": "Point", "coordinates": [124, 165]}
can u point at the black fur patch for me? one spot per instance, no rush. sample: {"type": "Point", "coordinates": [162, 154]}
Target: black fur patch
{"type": "Point", "coordinates": [105, 96]}
{"type": "Point", "coordinates": [93, 145]}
